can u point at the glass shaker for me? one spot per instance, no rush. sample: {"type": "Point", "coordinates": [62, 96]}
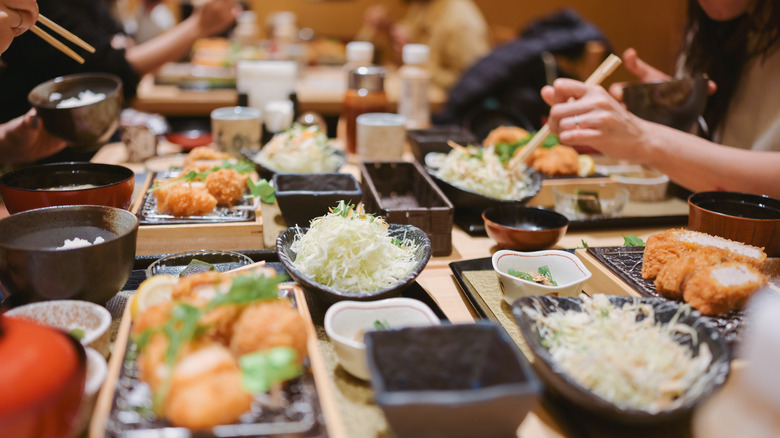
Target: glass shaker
{"type": "Point", "coordinates": [365, 94]}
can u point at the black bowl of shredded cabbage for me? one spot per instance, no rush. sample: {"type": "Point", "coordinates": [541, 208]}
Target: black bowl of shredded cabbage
{"type": "Point", "coordinates": [409, 235]}
{"type": "Point", "coordinates": [635, 408]}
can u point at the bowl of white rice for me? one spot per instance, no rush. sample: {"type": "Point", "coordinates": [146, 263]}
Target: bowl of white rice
{"type": "Point", "coordinates": [82, 109]}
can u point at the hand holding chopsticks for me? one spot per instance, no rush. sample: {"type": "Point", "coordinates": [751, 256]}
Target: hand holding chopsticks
{"type": "Point", "coordinates": [65, 34]}
{"type": "Point", "coordinates": [602, 72]}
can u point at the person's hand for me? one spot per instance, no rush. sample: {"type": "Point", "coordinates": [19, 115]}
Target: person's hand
{"type": "Point", "coordinates": [16, 17]}
{"type": "Point", "coordinates": [643, 71]}
{"type": "Point", "coordinates": [215, 16]}
{"type": "Point", "coordinates": [587, 115]}
{"type": "Point", "coordinates": [24, 140]}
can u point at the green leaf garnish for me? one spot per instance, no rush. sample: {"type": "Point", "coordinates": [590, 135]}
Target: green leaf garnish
{"type": "Point", "coordinates": [245, 289]}
{"type": "Point", "coordinates": [520, 274]}
{"type": "Point", "coordinates": [584, 244]}
{"type": "Point", "coordinates": [196, 266]}
{"type": "Point", "coordinates": [381, 325]}
{"type": "Point", "coordinates": [263, 369]}
{"type": "Point", "coordinates": [550, 141]}
{"type": "Point", "coordinates": [77, 333]}
{"type": "Point", "coordinates": [632, 240]}
{"type": "Point", "coordinates": [545, 270]}
{"type": "Point", "coordinates": [263, 190]}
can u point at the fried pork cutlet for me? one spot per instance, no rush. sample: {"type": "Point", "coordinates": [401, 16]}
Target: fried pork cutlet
{"type": "Point", "coordinates": [185, 199]}
{"type": "Point", "coordinates": [672, 276]}
{"type": "Point", "coordinates": [667, 247]}
{"type": "Point", "coordinates": [226, 185]}
{"type": "Point", "coordinates": [721, 288]}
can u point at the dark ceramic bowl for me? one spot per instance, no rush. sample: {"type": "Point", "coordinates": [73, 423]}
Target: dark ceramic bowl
{"type": "Point", "coordinates": [463, 199]}
{"type": "Point", "coordinates": [467, 380]}
{"type": "Point", "coordinates": [304, 196]}
{"type": "Point", "coordinates": [329, 294]}
{"type": "Point", "coordinates": [564, 386]}
{"type": "Point", "coordinates": [524, 228]}
{"type": "Point", "coordinates": [33, 269]}
{"type": "Point", "coordinates": [42, 186]}
{"type": "Point", "coordinates": [744, 217]}
{"type": "Point", "coordinates": [677, 103]}
{"type": "Point", "coordinates": [434, 139]}
{"type": "Point", "coordinates": [85, 127]}
{"type": "Point", "coordinates": [268, 173]}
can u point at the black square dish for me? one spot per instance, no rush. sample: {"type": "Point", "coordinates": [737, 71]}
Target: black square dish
{"type": "Point", "coordinates": [464, 380]}
{"type": "Point", "coordinates": [304, 196]}
{"type": "Point", "coordinates": [423, 141]}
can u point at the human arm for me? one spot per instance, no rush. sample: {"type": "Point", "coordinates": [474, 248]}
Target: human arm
{"type": "Point", "coordinates": [210, 18]}
{"type": "Point", "coordinates": [24, 140]}
{"type": "Point", "coordinates": [697, 164]}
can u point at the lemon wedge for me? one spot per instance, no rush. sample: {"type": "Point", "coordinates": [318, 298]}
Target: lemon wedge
{"type": "Point", "coordinates": [152, 291]}
{"type": "Point", "coordinates": [586, 165]}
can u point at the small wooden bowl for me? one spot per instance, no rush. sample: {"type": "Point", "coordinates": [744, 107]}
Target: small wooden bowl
{"type": "Point", "coordinates": [744, 217]}
{"type": "Point", "coordinates": [524, 228]}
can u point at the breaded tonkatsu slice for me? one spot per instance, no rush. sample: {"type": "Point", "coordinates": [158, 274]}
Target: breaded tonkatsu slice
{"type": "Point", "coordinates": [666, 247]}
{"type": "Point", "coordinates": [721, 288]}
{"type": "Point", "coordinates": [672, 276]}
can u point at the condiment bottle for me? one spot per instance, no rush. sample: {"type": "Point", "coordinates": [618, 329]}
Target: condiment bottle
{"type": "Point", "coordinates": [413, 100]}
{"type": "Point", "coordinates": [359, 54]}
{"type": "Point", "coordinates": [749, 403]}
{"type": "Point", "coordinates": [365, 94]}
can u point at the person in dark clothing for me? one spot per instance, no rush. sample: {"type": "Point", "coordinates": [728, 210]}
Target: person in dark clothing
{"type": "Point", "coordinates": [509, 78]}
{"type": "Point", "coordinates": [31, 61]}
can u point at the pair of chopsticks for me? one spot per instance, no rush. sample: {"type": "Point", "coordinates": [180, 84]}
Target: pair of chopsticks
{"type": "Point", "coordinates": [602, 72]}
{"type": "Point", "coordinates": [65, 34]}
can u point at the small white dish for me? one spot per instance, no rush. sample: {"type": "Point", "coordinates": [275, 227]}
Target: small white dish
{"type": "Point", "coordinates": [566, 269]}
{"type": "Point", "coordinates": [94, 320]}
{"type": "Point", "coordinates": [346, 321]}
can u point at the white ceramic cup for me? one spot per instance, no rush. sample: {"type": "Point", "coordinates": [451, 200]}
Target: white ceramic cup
{"type": "Point", "coordinates": [235, 128]}
{"type": "Point", "coordinates": [380, 136]}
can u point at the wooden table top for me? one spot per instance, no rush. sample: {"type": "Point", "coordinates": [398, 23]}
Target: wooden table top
{"type": "Point", "coordinates": [319, 89]}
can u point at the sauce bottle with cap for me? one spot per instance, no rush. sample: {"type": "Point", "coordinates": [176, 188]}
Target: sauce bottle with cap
{"type": "Point", "coordinates": [365, 94]}
{"type": "Point", "coordinates": [413, 100]}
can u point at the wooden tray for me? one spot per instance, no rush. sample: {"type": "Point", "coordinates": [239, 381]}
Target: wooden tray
{"type": "Point", "coordinates": [324, 413]}
{"type": "Point", "coordinates": [179, 237]}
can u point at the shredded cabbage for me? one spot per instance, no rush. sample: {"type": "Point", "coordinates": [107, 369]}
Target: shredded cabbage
{"type": "Point", "coordinates": [634, 364]}
{"type": "Point", "coordinates": [353, 252]}
{"type": "Point", "coordinates": [300, 149]}
{"type": "Point", "coordinates": [481, 171]}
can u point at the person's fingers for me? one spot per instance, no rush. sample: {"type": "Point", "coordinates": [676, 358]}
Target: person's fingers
{"type": "Point", "coordinates": [616, 90]}
{"type": "Point", "coordinates": [642, 70]}
{"type": "Point", "coordinates": [566, 89]}
{"type": "Point", "coordinates": [580, 137]}
{"type": "Point", "coordinates": [548, 94]}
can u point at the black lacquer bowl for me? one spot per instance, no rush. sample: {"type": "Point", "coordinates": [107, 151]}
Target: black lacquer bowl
{"type": "Point", "coordinates": [330, 294]}
{"type": "Point", "coordinates": [465, 380]}
{"type": "Point", "coordinates": [468, 200]}
{"type": "Point", "coordinates": [304, 196]}
{"type": "Point", "coordinates": [563, 385]}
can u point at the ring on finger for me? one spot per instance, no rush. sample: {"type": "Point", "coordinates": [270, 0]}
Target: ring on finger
{"type": "Point", "coordinates": [21, 20]}
{"type": "Point", "coordinates": [576, 120]}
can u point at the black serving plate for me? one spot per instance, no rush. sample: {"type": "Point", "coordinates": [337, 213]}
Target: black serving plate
{"type": "Point", "coordinates": [243, 211]}
{"type": "Point", "coordinates": [626, 263]}
{"type": "Point", "coordinates": [304, 196]}
{"type": "Point", "coordinates": [563, 385]}
{"type": "Point", "coordinates": [268, 173]}
{"type": "Point", "coordinates": [329, 294]}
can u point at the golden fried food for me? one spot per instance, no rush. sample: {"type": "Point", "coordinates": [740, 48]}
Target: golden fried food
{"type": "Point", "coordinates": [268, 324]}
{"type": "Point", "coordinates": [505, 134]}
{"type": "Point", "coordinates": [556, 160]}
{"type": "Point", "coordinates": [667, 247]}
{"type": "Point", "coordinates": [721, 288]}
{"type": "Point", "coordinates": [202, 286]}
{"type": "Point", "coordinates": [185, 199]}
{"type": "Point", "coordinates": [226, 186]}
{"type": "Point", "coordinates": [672, 276]}
{"type": "Point", "coordinates": [206, 390]}
{"type": "Point", "coordinates": [206, 153]}
{"type": "Point", "coordinates": [151, 361]}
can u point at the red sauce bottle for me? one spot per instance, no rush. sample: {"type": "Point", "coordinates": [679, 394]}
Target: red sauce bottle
{"type": "Point", "coordinates": [365, 94]}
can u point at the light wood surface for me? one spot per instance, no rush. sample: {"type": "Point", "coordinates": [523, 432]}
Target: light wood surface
{"type": "Point", "coordinates": [319, 89]}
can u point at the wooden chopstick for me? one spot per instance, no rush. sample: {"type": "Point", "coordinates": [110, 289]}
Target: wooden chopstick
{"type": "Point", "coordinates": [602, 72]}
{"type": "Point", "coordinates": [57, 44]}
{"type": "Point", "coordinates": [65, 33]}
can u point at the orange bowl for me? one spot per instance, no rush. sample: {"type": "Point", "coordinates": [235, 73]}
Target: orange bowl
{"type": "Point", "coordinates": [524, 228]}
{"type": "Point", "coordinates": [50, 185]}
{"type": "Point", "coordinates": [743, 217]}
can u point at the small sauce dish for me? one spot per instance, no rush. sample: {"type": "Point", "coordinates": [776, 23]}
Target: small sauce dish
{"type": "Point", "coordinates": [565, 268]}
{"type": "Point", "coordinates": [347, 321]}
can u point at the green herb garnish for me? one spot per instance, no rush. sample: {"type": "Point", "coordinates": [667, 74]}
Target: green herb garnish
{"type": "Point", "coordinates": [545, 270]}
{"type": "Point", "coordinates": [196, 266]}
{"type": "Point", "coordinates": [632, 240]}
{"type": "Point", "coordinates": [240, 167]}
{"type": "Point", "coordinates": [263, 369]}
{"type": "Point", "coordinates": [588, 201]}
{"type": "Point", "coordinates": [584, 244]}
{"type": "Point", "coordinates": [77, 333]}
{"type": "Point", "coordinates": [550, 141]}
{"type": "Point", "coordinates": [520, 274]}
{"type": "Point", "coordinates": [381, 324]}
{"type": "Point", "coordinates": [263, 190]}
